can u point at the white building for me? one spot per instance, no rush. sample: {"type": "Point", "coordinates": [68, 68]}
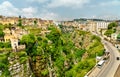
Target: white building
{"type": "Point", "coordinates": [114, 36]}
{"type": "Point", "coordinates": [101, 26]}
{"type": "Point", "coordinates": [14, 43]}
{"type": "Point", "coordinates": [91, 26]}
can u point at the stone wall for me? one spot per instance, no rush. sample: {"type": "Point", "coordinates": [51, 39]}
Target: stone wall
{"type": "Point", "coordinates": [39, 66]}
{"type": "Point", "coordinates": [19, 68]}
{"type": "Point", "coordinates": [117, 73]}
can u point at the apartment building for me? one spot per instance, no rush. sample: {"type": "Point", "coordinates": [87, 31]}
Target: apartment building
{"type": "Point", "coordinates": [101, 26]}
{"type": "Point", "coordinates": [91, 26]}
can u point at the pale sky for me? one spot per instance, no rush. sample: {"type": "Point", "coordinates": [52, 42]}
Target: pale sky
{"type": "Point", "coordinates": [61, 9]}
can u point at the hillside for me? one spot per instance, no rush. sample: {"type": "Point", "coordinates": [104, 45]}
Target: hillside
{"type": "Point", "coordinates": [60, 54]}
{"type": "Point", "coordinates": [54, 54]}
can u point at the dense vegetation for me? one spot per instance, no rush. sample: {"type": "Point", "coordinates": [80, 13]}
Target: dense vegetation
{"type": "Point", "coordinates": [56, 54]}
{"type": "Point", "coordinates": [118, 37]}
{"type": "Point", "coordinates": [1, 31]}
{"type": "Point", "coordinates": [111, 29]}
{"type": "Point", "coordinates": [4, 64]}
{"type": "Point", "coordinates": [5, 45]}
{"type": "Point", "coordinates": [62, 54]}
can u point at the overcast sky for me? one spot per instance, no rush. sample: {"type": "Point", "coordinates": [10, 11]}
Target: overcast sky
{"type": "Point", "coordinates": [61, 9]}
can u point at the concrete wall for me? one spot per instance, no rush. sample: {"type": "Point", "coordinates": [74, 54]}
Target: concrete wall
{"type": "Point", "coordinates": [117, 73]}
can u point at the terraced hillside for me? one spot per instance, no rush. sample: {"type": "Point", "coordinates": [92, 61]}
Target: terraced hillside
{"type": "Point", "coordinates": [54, 54]}
{"type": "Point", "coordinates": [60, 54]}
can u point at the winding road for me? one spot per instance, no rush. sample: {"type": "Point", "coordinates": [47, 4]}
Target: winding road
{"type": "Point", "coordinates": [111, 67]}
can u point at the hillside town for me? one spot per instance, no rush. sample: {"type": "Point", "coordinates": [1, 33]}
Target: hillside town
{"type": "Point", "coordinates": [14, 34]}
{"type": "Point", "coordinates": [97, 26]}
{"type": "Point", "coordinates": [59, 38]}
{"type": "Point", "coordinates": [30, 35]}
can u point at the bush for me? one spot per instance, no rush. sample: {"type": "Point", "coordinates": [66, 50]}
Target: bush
{"type": "Point", "coordinates": [5, 45]}
{"type": "Point", "coordinates": [23, 59]}
{"type": "Point", "coordinates": [4, 65]}
{"type": "Point", "coordinates": [44, 72]}
{"type": "Point", "coordinates": [22, 54]}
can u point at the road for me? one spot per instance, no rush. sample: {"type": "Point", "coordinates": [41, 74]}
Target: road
{"type": "Point", "coordinates": [111, 67]}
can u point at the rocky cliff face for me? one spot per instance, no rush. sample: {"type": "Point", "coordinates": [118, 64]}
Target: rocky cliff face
{"type": "Point", "coordinates": [18, 68]}
{"type": "Point", "coordinates": [17, 65]}
{"type": "Point", "coordinates": [39, 66]}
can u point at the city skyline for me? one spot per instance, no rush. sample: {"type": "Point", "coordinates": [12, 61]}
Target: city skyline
{"type": "Point", "coordinates": [61, 9]}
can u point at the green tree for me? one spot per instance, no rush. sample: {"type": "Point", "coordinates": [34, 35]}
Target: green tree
{"type": "Point", "coordinates": [111, 29]}
{"type": "Point", "coordinates": [111, 25]}
{"type": "Point", "coordinates": [109, 32]}
{"type": "Point", "coordinates": [79, 53]}
{"type": "Point", "coordinates": [29, 40]}
{"type": "Point", "coordinates": [118, 37]}
{"type": "Point", "coordinates": [4, 64]}
{"type": "Point", "coordinates": [94, 37]}
{"type": "Point", "coordinates": [35, 22]}
{"type": "Point", "coordinates": [54, 35]}
{"type": "Point", "coordinates": [5, 45]}
{"type": "Point", "coordinates": [58, 54]}
{"type": "Point", "coordinates": [19, 21]}
{"type": "Point", "coordinates": [1, 31]}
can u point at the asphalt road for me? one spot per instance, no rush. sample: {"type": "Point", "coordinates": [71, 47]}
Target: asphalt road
{"type": "Point", "coordinates": [111, 67]}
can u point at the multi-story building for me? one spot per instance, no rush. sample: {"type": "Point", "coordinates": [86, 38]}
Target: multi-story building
{"type": "Point", "coordinates": [13, 36]}
{"type": "Point", "coordinates": [8, 20]}
{"type": "Point", "coordinates": [101, 26]}
{"type": "Point", "coordinates": [114, 36]}
{"type": "Point", "coordinates": [91, 26]}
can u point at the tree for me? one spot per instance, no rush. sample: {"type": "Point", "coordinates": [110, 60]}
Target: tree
{"type": "Point", "coordinates": [111, 25]}
{"type": "Point", "coordinates": [57, 55]}
{"type": "Point", "coordinates": [29, 40]}
{"type": "Point", "coordinates": [35, 22]}
{"type": "Point", "coordinates": [109, 32]}
{"type": "Point", "coordinates": [111, 29]}
{"type": "Point", "coordinates": [1, 31]}
{"type": "Point", "coordinates": [94, 37]}
{"type": "Point", "coordinates": [54, 35]}
{"type": "Point", "coordinates": [118, 37]}
{"type": "Point", "coordinates": [19, 21]}
{"type": "Point", "coordinates": [5, 45]}
{"type": "Point", "coordinates": [20, 16]}
{"type": "Point", "coordinates": [4, 64]}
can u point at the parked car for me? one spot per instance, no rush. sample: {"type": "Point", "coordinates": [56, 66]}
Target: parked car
{"type": "Point", "coordinates": [117, 58]}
